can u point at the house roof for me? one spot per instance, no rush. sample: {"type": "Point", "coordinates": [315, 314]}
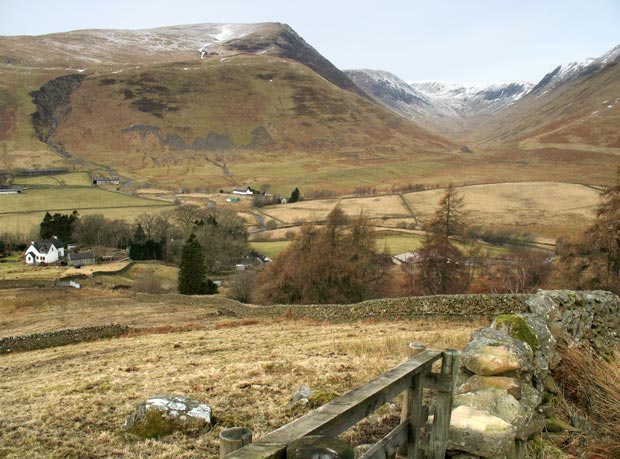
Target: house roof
{"type": "Point", "coordinates": [44, 246]}
{"type": "Point", "coordinates": [81, 256]}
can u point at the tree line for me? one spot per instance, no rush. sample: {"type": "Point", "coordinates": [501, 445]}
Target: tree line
{"type": "Point", "coordinates": [341, 263]}
{"type": "Point", "coordinates": [160, 236]}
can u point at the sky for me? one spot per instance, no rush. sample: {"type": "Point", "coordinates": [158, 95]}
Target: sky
{"type": "Point", "coordinates": [467, 41]}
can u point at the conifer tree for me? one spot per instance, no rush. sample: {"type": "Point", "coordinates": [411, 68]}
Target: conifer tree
{"type": "Point", "coordinates": [192, 272]}
{"type": "Point", "coordinates": [442, 267]}
{"type": "Point", "coordinates": [295, 195]}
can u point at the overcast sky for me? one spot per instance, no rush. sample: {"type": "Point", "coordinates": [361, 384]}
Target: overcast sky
{"type": "Point", "coordinates": [470, 41]}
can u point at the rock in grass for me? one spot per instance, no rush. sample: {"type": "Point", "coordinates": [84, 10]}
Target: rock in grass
{"type": "Point", "coordinates": [302, 395]}
{"type": "Point", "coordinates": [163, 415]}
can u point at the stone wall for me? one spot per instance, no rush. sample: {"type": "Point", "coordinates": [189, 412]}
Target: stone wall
{"type": "Point", "coordinates": [505, 377]}
{"type": "Point", "coordinates": [59, 338]}
{"type": "Point", "coordinates": [392, 308]}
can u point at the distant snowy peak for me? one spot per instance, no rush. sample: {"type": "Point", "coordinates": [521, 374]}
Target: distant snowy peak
{"type": "Point", "coordinates": [610, 56]}
{"type": "Point", "coordinates": [385, 85]}
{"type": "Point", "coordinates": [438, 104]}
{"type": "Point", "coordinates": [468, 100]}
{"type": "Point", "coordinates": [444, 89]}
{"type": "Point", "coordinates": [449, 90]}
{"type": "Point", "coordinates": [577, 69]}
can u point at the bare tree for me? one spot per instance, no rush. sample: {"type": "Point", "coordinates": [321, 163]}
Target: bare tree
{"type": "Point", "coordinates": [337, 263]}
{"type": "Point", "coordinates": [449, 219]}
{"type": "Point", "coordinates": [242, 285]}
{"type": "Point", "coordinates": [187, 216]}
{"type": "Point", "coordinates": [594, 260]}
{"type": "Point", "coordinates": [524, 271]}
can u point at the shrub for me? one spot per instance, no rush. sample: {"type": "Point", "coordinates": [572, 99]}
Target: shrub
{"type": "Point", "coordinates": [590, 380]}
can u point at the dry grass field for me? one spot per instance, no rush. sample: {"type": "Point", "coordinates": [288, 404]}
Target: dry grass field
{"type": "Point", "coordinates": [21, 271]}
{"type": "Point", "coordinates": [375, 207]}
{"type": "Point", "coordinates": [547, 210]}
{"type": "Point", "coordinates": [71, 401]}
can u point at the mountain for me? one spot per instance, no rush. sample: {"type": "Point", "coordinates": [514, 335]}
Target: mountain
{"type": "Point", "coordinates": [94, 48]}
{"type": "Point", "coordinates": [576, 70]}
{"type": "Point", "coordinates": [446, 107]}
{"type": "Point", "coordinates": [574, 108]}
{"type": "Point", "coordinates": [471, 101]}
{"type": "Point", "coordinates": [212, 106]}
{"type": "Point", "coordinates": [567, 122]}
{"type": "Point", "coordinates": [199, 107]}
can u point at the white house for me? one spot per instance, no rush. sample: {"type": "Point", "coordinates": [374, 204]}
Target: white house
{"type": "Point", "coordinates": [48, 251]}
{"type": "Point", "coordinates": [243, 191]}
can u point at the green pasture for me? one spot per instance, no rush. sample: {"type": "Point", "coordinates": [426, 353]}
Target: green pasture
{"type": "Point", "coordinates": [166, 276]}
{"type": "Point", "coordinates": [397, 242]}
{"type": "Point", "coordinates": [270, 248]}
{"type": "Point", "coordinates": [69, 199]}
{"type": "Point", "coordinates": [20, 213]}
{"type": "Point", "coordinates": [70, 179]}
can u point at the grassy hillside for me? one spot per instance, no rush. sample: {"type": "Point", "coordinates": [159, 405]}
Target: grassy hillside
{"type": "Point", "coordinates": [578, 120]}
{"type": "Point", "coordinates": [237, 121]}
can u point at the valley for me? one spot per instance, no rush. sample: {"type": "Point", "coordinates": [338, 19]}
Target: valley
{"type": "Point", "coordinates": [178, 123]}
{"type": "Point", "coordinates": [259, 106]}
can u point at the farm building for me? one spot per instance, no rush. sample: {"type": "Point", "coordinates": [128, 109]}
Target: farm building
{"type": "Point", "coordinates": [106, 180]}
{"type": "Point", "coordinates": [244, 191]}
{"type": "Point", "coordinates": [233, 199]}
{"type": "Point", "coordinates": [81, 259]}
{"type": "Point", "coordinates": [10, 189]}
{"type": "Point", "coordinates": [48, 251]}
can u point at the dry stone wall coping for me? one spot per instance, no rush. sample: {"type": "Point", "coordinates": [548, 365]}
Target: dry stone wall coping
{"type": "Point", "coordinates": [394, 308]}
{"type": "Point", "coordinates": [60, 338]}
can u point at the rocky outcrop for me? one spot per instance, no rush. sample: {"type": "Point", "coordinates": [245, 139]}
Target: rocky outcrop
{"type": "Point", "coordinates": [505, 369]}
{"type": "Point", "coordinates": [53, 104]}
{"type": "Point", "coordinates": [162, 415]}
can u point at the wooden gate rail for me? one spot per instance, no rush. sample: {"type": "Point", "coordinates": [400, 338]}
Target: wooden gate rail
{"type": "Point", "coordinates": [340, 414]}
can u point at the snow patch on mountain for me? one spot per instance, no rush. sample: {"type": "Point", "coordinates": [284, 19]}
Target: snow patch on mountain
{"type": "Point", "coordinates": [390, 90]}
{"type": "Point", "coordinates": [105, 46]}
{"type": "Point", "coordinates": [583, 68]}
{"type": "Point", "coordinates": [470, 100]}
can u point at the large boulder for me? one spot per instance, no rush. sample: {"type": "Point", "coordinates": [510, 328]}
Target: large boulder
{"type": "Point", "coordinates": [492, 352]}
{"type": "Point", "coordinates": [533, 330]}
{"type": "Point", "coordinates": [479, 433]}
{"type": "Point", "coordinates": [162, 415]}
{"type": "Point", "coordinates": [492, 401]}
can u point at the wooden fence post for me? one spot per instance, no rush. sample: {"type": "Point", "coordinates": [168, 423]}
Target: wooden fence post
{"type": "Point", "coordinates": [446, 386]}
{"type": "Point", "coordinates": [234, 438]}
{"type": "Point", "coordinates": [411, 397]}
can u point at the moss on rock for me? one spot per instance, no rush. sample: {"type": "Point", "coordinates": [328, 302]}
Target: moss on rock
{"type": "Point", "coordinates": [518, 328]}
